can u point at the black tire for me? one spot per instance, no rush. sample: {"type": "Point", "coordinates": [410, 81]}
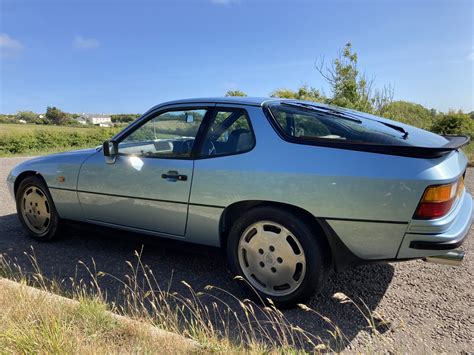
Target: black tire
{"type": "Point", "coordinates": [52, 223]}
{"type": "Point", "coordinates": [314, 250]}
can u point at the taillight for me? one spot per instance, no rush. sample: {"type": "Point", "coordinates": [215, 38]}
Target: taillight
{"type": "Point", "coordinates": [438, 200]}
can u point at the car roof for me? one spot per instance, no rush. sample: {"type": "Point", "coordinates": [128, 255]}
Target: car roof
{"type": "Point", "coordinates": [254, 101]}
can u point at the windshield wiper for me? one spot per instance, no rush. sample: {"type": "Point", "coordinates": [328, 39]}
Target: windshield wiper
{"type": "Point", "coordinates": [396, 128]}
{"type": "Point", "coordinates": [322, 109]}
{"type": "Point", "coordinates": [344, 115]}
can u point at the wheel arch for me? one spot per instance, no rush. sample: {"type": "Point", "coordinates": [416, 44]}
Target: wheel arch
{"type": "Point", "coordinates": [232, 212]}
{"type": "Point", "coordinates": [23, 175]}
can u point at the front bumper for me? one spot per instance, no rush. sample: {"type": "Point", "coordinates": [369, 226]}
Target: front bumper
{"type": "Point", "coordinates": [438, 237]}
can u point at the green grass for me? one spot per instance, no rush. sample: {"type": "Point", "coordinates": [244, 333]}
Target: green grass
{"type": "Point", "coordinates": [7, 129]}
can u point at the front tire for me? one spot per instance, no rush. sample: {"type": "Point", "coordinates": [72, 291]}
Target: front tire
{"type": "Point", "coordinates": [36, 210]}
{"type": "Point", "coordinates": [278, 254]}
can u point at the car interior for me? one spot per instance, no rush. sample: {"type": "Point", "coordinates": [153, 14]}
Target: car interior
{"type": "Point", "coordinates": [229, 133]}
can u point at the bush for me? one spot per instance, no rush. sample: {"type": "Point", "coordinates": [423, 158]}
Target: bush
{"type": "Point", "coordinates": [409, 113]}
{"type": "Point", "coordinates": [42, 139]}
{"type": "Point", "coordinates": [453, 123]}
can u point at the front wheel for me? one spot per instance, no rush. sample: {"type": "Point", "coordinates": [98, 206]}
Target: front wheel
{"type": "Point", "coordinates": [278, 254]}
{"type": "Point", "coordinates": [36, 209]}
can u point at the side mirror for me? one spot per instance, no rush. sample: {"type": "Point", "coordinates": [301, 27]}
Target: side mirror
{"type": "Point", "coordinates": [110, 150]}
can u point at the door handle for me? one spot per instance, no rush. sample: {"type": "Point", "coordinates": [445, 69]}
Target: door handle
{"type": "Point", "coordinates": [174, 176]}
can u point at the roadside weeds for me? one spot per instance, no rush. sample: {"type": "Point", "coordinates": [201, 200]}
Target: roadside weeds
{"type": "Point", "coordinates": [149, 319]}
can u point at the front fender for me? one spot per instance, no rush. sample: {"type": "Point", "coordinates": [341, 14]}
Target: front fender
{"type": "Point", "coordinates": [52, 167]}
{"type": "Point", "coordinates": [60, 172]}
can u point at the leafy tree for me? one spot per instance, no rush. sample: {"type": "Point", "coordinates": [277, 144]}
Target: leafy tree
{"type": "Point", "coordinates": [308, 93]}
{"type": "Point", "coordinates": [305, 92]}
{"type": "Point", "coordinates": [349, 88]}
{"type": "Point", "coordinates": [454, 123]}
{"type": "Point", "coordinates": [409, 113]}
{"type": "Point", "coordinates": [55, 115]}
{"type": "Point", "coordinates": [27, 116]}
{"type": "Point", "coordinates": [235, 93]}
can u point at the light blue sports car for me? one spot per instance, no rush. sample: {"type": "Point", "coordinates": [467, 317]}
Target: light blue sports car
{"type": "Point", "coordinates": [290, 189]}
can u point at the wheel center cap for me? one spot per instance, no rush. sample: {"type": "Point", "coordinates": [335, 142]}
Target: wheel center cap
{"type": "Point", "coordinates": [269, 259]}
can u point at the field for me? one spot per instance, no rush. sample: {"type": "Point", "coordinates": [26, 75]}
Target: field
{"type": "Point", "coordinates": [24, 139]}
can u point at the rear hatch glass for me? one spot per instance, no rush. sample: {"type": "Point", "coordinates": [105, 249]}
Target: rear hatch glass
{"type": "Point", "coordinates": [309, 123]}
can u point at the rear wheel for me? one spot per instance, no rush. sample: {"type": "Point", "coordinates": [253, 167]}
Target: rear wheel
{"type": "Point", "coordinates": [36, 209]}
{"type": "Point", "coordinates": [278, 254]}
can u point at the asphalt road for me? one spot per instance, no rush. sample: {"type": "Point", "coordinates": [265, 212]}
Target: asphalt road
{"type": "Point", "coordinates": [429, 307]}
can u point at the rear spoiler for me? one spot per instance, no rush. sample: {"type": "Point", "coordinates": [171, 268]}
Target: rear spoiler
{"type": "Point", "coordinates": [454, 143]}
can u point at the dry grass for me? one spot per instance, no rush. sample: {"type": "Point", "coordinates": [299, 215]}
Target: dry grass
{"type": "Point", "coordinates": [31, 324]}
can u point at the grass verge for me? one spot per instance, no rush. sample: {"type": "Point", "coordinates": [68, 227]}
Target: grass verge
{"type": "Point", "coordinates": [35, 324]}
{"type": "Point", "coordinates": [34, 321]}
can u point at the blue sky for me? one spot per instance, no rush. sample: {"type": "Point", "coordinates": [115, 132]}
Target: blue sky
{"type": "Point", "coordinates": [125, 56]}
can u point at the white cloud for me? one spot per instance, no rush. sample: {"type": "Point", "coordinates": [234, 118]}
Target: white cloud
{"type": "Point", "coordinates": [9, 47]}
{"type": "Point", "coordinates": [85, 43]}
{"type": "Point", "coordinates": [471, 56]}
{"type": "Point", "coordinates": [224, 2]}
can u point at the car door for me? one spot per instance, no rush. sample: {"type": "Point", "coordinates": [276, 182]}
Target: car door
{"type": "Point", "coordinates": [146, 185]}
{"type": "Point", "coordinates": [221, 170]}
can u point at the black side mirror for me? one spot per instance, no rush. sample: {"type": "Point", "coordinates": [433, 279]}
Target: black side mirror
{"type": "Point", "coordinates": [110, 148]}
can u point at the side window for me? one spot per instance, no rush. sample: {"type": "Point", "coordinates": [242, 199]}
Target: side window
{"type": "Point", "coordinates": [229, 133]}
{"type": "Point", "coordinates": [168, 135]}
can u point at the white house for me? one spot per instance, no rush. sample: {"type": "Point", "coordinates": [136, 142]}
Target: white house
{"type": "Point", "coordinates": [95, 119]}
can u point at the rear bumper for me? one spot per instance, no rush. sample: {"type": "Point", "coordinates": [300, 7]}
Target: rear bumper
{"type": "Point", "coordinates": [440, 236]}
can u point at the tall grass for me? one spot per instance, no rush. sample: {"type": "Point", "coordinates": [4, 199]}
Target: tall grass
{"type": "Point", "coordinates": [213, 317]}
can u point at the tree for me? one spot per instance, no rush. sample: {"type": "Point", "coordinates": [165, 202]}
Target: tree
{"type": "Point", "coordinates": [349, 88]}
{"type": "Point", "coordinates": [27, 116]}
{"type": "Point", "coordinates": [283, 93]}
{"type": "Point", "coordinates": [235, 93]}
{"type": "Point", "coordinates": [305, 92]}
{"type": "Point", "coordinates": [55, 115]}
{"type": "Point", "coordinates": [454, 123]}
{"type": "Point", "coordinates": [408, 112]}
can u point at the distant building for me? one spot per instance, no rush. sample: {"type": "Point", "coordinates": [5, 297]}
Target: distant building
{"type": "Point", "coordinates": [95, 119]}
{"type": "Point", "coordinates": [81, 120]}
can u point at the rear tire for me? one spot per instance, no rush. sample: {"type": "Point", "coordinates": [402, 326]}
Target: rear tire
{"type": "Point", "coordinates": [36, 209]}
{"type": "Point", "coordinates": [278, 254]}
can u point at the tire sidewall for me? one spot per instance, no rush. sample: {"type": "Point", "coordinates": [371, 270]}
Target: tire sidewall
{"type": "Point", "coordinates": [53, 228]}
{"type": "Point", "coordinates": [313, 250]}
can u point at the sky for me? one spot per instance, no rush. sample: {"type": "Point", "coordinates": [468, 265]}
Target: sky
{"type": "Point", "coordinates": [118, 56]}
